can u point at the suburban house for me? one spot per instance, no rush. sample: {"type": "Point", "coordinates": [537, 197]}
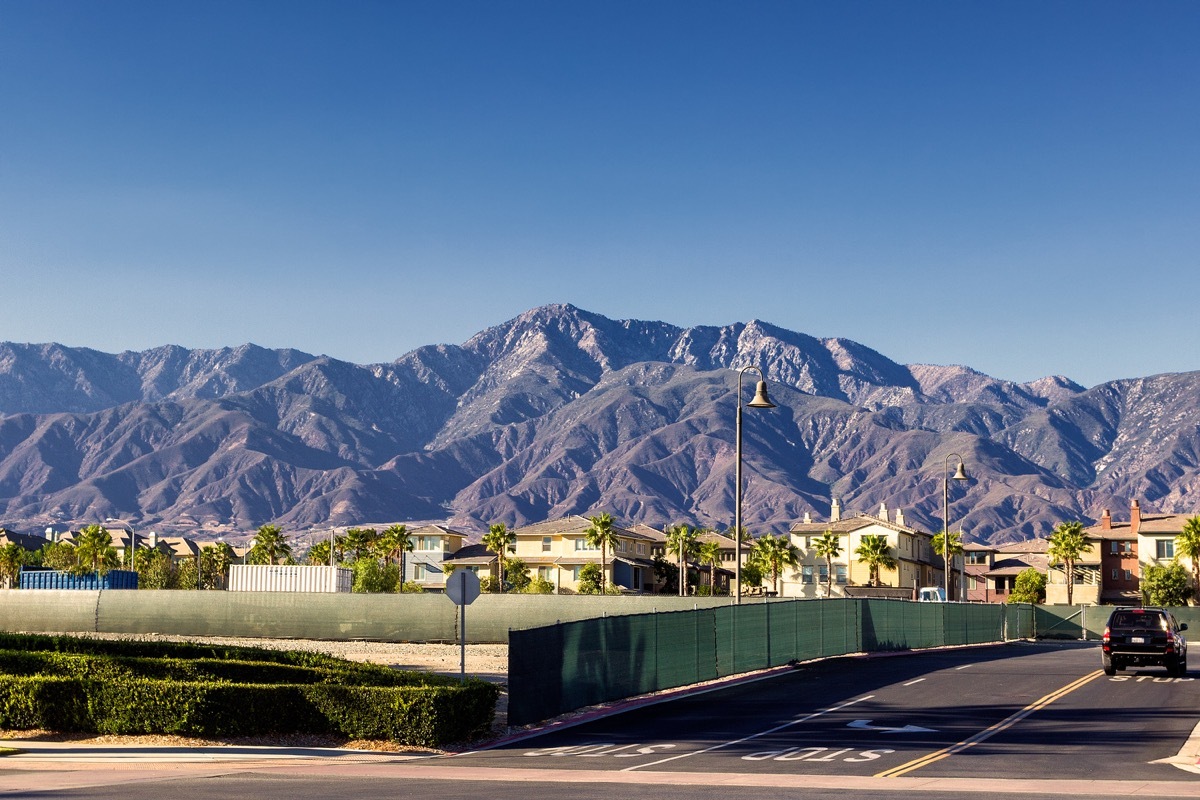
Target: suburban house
{"type": "Point", "coordinates": [916, 563]}
{"type": "Point", "coordinates": [432, 545]}
{"type": "Point", "coordinates": [699, 574]}
{"type": "Point", "coordinates": [992, 570]}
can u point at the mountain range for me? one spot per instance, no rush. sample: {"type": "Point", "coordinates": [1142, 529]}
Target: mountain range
{"type": "Point", "coordinates": [561, 411]}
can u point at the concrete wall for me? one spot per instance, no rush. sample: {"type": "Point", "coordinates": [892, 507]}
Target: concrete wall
{"type": "Point", "coordinates": [286, 615]}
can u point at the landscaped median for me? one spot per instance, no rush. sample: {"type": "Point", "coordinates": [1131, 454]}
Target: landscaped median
{"type": "Point", "coordinates": [67, 684]}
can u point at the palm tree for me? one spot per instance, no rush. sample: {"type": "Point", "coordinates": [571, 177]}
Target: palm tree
{"type": "Point", "coordinates": [269, 545]}
{"type": "Point", "coordinates": [1067, 544]}
{"type": "Point", "coordinates": [498, 539]}
{"type": "Point", "coordinates": [948, 553]}
{"type": "Point", "coordinates": [12, 556]}
{"type": "Point", "coordinates": [710, 553]}
{"type": "Point", "coordinates": [828, 547]}
{"type": "Point", "coordinates": [1187, 544]}
{"type": "Point", "coordinates": [318, 554]}
{"type": "Point", "coordinates": [875, 552]}
{"type": "Point", "coordinates": [681, 543]}
{"type": "Point", "coordinates": [394, 541]}
{"type": "Point", "coordinates": [215, 560]}
{"type": "Point", "coordinates": [94, 550]}
{"type": "Point", "coordinates": [775, 553]}
{"type": "Point", "coordinates": [358, 541]}
{"type": "Point", "coordinates": [602, 535]}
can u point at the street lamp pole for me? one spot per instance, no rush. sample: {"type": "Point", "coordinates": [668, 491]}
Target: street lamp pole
{"type": "Point", "coordinates": [760, 401]}
{"type": "Point", "coordinates": [960, 474]}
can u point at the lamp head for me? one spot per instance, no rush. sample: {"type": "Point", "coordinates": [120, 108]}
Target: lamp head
{"type": "Point", "coordinates": [760, 397]}
{"type": "Point", "coordinates": [960, 474]}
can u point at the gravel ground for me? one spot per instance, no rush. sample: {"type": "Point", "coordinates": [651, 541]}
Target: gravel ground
{"type": "Point", "coordinates": [486, 661]}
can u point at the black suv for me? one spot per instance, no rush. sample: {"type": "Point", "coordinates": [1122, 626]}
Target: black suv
{"type": "Point", "coordinates": [1144, 637]}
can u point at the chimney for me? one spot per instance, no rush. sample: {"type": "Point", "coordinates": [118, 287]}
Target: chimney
{"type": "Point", "coordinates": [835, 510]}
{"type": "Point", "coordinates": [1106, 520]}
{"type": "Point", "coordinates": [1135, 517]}
{"type": "Point", "coordinates": [883, 512]}
{"type": "Point", "coordinates": [807, 518]}
{"type": "Point", "coordinates": [900, 517]}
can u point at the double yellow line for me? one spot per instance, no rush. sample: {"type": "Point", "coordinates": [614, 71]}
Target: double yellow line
{"type": "Point", "coordinates": [988, 733]}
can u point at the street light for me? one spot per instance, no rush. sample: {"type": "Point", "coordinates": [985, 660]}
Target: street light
{"type": "Point", "coordinates": [960, 474]}
{"type": "Point", "coordinates": [760, 401]}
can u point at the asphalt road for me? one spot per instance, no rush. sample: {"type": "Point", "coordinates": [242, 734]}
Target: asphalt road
{"type": "Point", "coordinates": [1022, 720]}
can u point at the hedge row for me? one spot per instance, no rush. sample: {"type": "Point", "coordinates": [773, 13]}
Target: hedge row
{"type": "Point", "coordinates": [72, 685]}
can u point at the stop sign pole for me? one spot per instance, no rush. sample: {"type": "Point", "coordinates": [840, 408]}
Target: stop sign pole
{"type": "Point", "coordinates": [462, 589]}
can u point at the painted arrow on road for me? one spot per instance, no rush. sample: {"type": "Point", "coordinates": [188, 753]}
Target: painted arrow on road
{"type": "Point", "coordinates": [865, 725]}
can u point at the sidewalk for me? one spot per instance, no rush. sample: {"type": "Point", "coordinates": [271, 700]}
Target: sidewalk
{"type": "Point", "coordinates": [33, 752]}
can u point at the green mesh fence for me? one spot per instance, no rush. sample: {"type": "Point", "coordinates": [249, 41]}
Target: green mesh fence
{"type": "Point", "coordinates": [563, 667]}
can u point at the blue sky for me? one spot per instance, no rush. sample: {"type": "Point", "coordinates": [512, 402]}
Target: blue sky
{"type": "Point", "coordinates": [1011, 186]}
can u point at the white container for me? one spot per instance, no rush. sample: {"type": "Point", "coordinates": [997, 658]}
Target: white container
{"type": "Point", "coordinates": [288, 578]}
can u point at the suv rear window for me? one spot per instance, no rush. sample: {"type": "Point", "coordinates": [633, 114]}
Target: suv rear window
{"type": "Point", "coordinates": [1134, 619]}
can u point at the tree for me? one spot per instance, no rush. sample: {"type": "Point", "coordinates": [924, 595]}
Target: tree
{"type": "Point", "coordinates": [1166, 585]}
{"type": "Point", "coordinates": [602, 535]}
{"type": "Point", "coordinates": [395, 541]}
{"type": "Point", "coordinates": [214, 564]}
{"type": "Point", "coordinates": [1030, 587]}
{"type": "Point", "coordinates": [774, 553]}
{"type": "Point", "coordinates": [498, 540]}
{"type": "Point", "coordinates": [358, 542]}
{"type": "Point", "coordinates": [1187, 545]}
{"type": "Point", "coordinates": [710, 553]}
{"type": "Point", "coordinates": [518, 574]}
{"type": "Point", "coordinates": [12, 558]}
{"type": "Point", "coordinates": [155, 570]}
{"type": "Point", "coordinates": [874, 551]}
{"type": "Point", "coordinates": [56, 555]}
{"type": "Point", "coordinates": [948, 546]}
{"type": "Point", "coordinates": [1067, 544]}
{"type": "Point", "coordinates": [94, 551]}
{"type": "Point", "coordinates": [370, 577]}
{"type": "Point", "coordinates": [681, 543]}
{"type": "Point", "coordinates": [591, 579]}
{"type": "Point", "coordinates": [318, 554]}
{"type": "Point", "coordinates": [752, 574]}
{"type": "Point", "coordinates": [539, 585]}
{"type": "Point", "coordinates": [270, 545]}
{"type": "Point", "coordinates": [828, 547]}
{"type": "Point", "coordinates": [666, 573]}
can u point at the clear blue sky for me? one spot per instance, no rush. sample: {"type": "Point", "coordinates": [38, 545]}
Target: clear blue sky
{"type": "Point", "coordinates": [1008, 185]}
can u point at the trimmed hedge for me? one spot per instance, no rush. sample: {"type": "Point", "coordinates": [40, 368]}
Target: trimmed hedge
{"type": "Point", "coordinates": [66, 684]}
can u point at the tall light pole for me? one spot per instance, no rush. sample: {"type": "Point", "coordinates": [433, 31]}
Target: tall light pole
{"type": "Point", "coordinates": [760, 401]}
{"type": "Point", "coordinates": [960, 474]}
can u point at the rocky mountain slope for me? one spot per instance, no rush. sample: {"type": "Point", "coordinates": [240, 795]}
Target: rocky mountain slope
{"type": "Point", "coordinates": [563, 411]}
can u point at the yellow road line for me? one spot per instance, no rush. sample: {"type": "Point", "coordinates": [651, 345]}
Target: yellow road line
{"type": "Point", "coordinates": [988, 733]}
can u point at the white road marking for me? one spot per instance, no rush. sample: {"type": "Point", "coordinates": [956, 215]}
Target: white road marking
{"type": "Point", "coordinates": [911, 683]}
{"type": "Point", "coordinates": [964, 666]}
{"type": "Point", "coordinates": [1188, 755]}
{"type": "Point", "coordinates": [811, 716]}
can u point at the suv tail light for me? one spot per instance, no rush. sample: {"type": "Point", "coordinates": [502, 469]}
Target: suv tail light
{"type": "Point", "coordinates": [1105, 641]}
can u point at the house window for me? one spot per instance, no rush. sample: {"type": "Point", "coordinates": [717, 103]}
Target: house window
{"type": "Point", "coordinates": [977, 557]}
{"type": "Point", "coordinates": [575, 572]}
{"type": "Point", "coordinates": [546, 543]}
{"type": "Point", "coordinates": [972, 583]}
{"type": "Point", "coordinates": [839, 574]}
{"type": "Point", "coordinates": [641, 549]}
{"type": "Point", "coordinates": [1000, 586]}
{"type": "Point", "coordinates": [1128, 574]}
{"type": "Point", "coordinates": [1114, 549]}
{"type": "Point", "coordinates": [1116, 573]}
{"type": "Point", "coordinates": [1164, 548]}
{"type": "Point", "coordinates": [1128, 548]}
{"type": "Point", "coordinates": [581, 544]}
{"type": "Point", "coordinates": [806, 574]}
{"type": "Point", "coordinates": [545, 573]}
{"type": "Point", "coordinates": [823, 573]}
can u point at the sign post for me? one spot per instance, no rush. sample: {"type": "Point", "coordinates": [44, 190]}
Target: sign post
{"type": "Point", "coordinates": [462, 589]}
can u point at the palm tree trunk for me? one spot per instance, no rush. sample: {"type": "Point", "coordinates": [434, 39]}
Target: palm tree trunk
{"type": "Point", "coordinates": [603, 568]}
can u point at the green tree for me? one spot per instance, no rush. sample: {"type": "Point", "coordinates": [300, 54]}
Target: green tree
{"type": "Point", "coordinates": [1166, 585]}
{"type": "Point", "coordinates": [155, 570]}
{"type": "Point", "coordinates": [948, 546]}
{"type": "Point", "coordinates": [710, 553]}
{"type": "Point", "coordinates": [371, 577]}
{"type": "Point", "coordinates": [874, 551]}
{"type": "Point", "coordinates": [666, 574]}
{"type": "Point", "coordinates": [1030, 587]}
{"type": "Point", "coordinates": [681, 543]}
{"type": "Point", "coordinates": [591, 579]}
{"type": "Point", "coordinates": [318, 554]}
{"type": "Point", "coordinates": [774, 553]}
{"type": "Point", "coordinates": [499, 540]}
{"type": "Point", "coordinates": [56, 555]}
{"type": "Point", "coordinates": [269, 546]}
{"type": "Point", "coordinates": [94, 551]}
{"type": "Point", "coordinates": [1066, 544]}
{"type": "Point", "coordinates": [752, 574]}
{"type": "Point", "coordinates": [12, 558]}
{"type": "Point", "coordinates": [518, 574]}
{"type": "Point", "coordinates": [214, 565]}
{"type": "Point", "coordinates": [828, 547]}
{"type": "Point", "coordinates": [602, 534]}
{"type": "Point", "coordinates": [539, 585]}
{"type": "Point", "coordinates": [1187, 545]}
{"type": "Point", "coordinates": [395, 542]}
{"type": "Point", "coordinates": [358, 542]}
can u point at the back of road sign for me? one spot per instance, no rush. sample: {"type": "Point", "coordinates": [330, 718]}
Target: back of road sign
{"type": "Point", "coordinates": [463, 587]}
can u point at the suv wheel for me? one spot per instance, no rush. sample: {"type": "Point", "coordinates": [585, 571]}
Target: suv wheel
{"type": "Point", "coordinates": [1109, 667]}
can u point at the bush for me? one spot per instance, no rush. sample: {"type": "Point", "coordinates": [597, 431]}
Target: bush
{"type": "Point", "coordinates": [104, 686]}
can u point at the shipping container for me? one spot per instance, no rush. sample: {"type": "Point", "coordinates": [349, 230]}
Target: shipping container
{"type": "Point", "coordinates": [289, 578]}
{"type": "Point", "coordinates": [39, 578]}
